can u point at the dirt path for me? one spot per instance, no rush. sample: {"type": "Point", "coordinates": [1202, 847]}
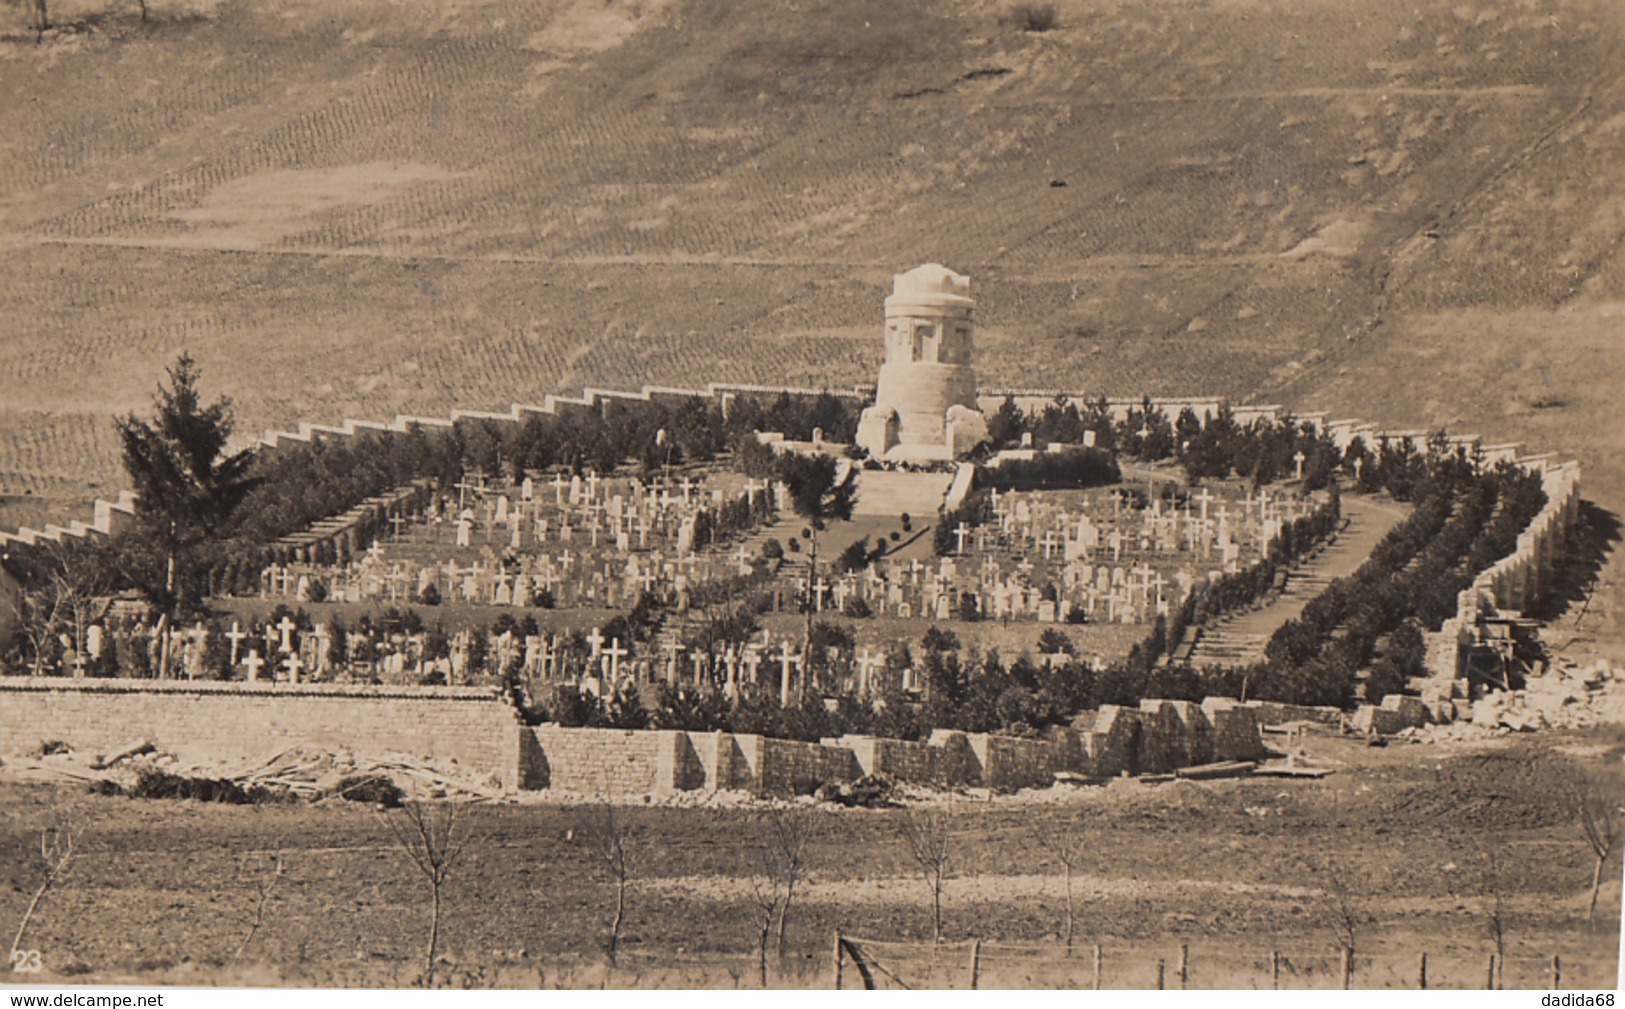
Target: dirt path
{"type": "Point", "coordinates": [1240, 639]}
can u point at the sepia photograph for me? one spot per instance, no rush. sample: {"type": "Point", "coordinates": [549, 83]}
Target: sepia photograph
{"type": "Point", "coordinates": [657, 495]}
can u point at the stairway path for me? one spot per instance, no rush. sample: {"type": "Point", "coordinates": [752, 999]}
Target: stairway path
{"type": "Point", "coordinates": [1240, 638]}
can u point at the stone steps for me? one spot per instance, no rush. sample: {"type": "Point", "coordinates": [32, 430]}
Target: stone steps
{"type": "Point", "coordinates": [888, 493]}
{"type": "Point", "coordinates": [1240, 637]}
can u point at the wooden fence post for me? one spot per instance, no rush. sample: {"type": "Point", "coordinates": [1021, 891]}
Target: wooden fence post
{"type": "Point", "coordinates": [1160, 967]}
{"type": "Point", "coordinates": [1489, 978]}
{"type": "Point", "coordinates": [1557, 972]}
{"type": "Point", "coordinates": [975, 963]}
{"type": "Point", "coordinates": [1422, 973]}
{"type": "Point", "coordinates": [1348, 968]}
{"type": "Point", "coordinates": [1184, 965]}
{"type": "Point", "coordinates": [837, 964]}
{"type": "Point", "coordinates": [1275, 969]}
{"type": "Point", "coordinates": [1097, 966]}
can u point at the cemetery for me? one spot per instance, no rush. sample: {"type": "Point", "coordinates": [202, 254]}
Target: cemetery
{"type": "Point", "coordinates": [992, 495]}
{"type": "Point", "coordinates": [804, 566]}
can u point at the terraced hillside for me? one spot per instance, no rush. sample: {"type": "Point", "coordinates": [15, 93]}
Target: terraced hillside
{"type": "Point", "coordinates": [1408, 210]}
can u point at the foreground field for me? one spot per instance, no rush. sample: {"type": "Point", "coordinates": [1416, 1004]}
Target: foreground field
{"type": "Point", "coordinates": [1421, 838]}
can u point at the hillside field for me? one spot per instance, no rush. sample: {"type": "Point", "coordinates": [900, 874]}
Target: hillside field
{"type": "Point", "coordinates": [1408, 211]}
{"type": "Point", "coordinates": [1426, 838]}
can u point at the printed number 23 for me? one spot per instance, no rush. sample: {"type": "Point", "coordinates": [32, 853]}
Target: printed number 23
{"type": "Point", "coordinates": [25, 961]}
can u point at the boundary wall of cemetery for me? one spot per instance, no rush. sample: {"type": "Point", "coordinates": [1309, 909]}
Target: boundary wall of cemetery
{"type": "Point", "coordinates": [1518, 579]}
{"type": "Point", "coordinates": [1156, 738]}
{"type": "Point", "coordinates": [1512, 583]}
{"type": "Point", "coordinates": [211, 723]}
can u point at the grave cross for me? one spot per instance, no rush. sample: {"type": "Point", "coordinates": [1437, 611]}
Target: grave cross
{"type": "Point", "coordinates": [596, 640]}
{"type": "Point", "coordinates": [1297, 462]}
{"type": "Point", "coordinates": [293, 665]}
{"type": "Point", "coordinates": [821, 587]}
{"type": "Point", "coordinates": [614, 653]}
{"type": "Point", "coordinates": [960, 534]}
{"type": "Point", "coordinates": [286, 627]}
{"type": "Point", "coordinates": [1049, 544]}
{"type": "Point", "coordinates": [787, 660]}
{"type": "Point", "coordinates": [867, 663]}
{"type": "Point", "coordinates": [253, 662]}
{"type": "Point", "coordinates": [464, 487]}
{"type": "Point", "coordinates": [237, 635]}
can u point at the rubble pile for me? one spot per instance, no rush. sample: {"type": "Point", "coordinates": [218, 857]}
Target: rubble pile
{"type": "Point", "coordinates": [1568, 695]}
{"type": "Point", "coordinates": [297, 773]}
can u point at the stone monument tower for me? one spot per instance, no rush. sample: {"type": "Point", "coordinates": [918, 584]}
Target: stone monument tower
{"type": "Point", "coordinates": [925, 402]}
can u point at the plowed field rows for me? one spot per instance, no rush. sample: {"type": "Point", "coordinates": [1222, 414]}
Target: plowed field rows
{"type": "Point", "coordinates": [379, 209]}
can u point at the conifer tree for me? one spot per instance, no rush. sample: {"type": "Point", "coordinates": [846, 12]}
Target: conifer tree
{"type": "Point", "coordinates": [188, 485]}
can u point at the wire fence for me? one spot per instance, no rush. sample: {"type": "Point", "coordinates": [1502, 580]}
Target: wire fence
{"type": "Point", "coordinates": [878, 963]}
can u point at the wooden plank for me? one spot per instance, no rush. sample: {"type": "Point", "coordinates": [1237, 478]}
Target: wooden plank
{"type": "Point", "coordinates": [1283, 771]}
{"type": "Point", "coordinates": [1222, 769]}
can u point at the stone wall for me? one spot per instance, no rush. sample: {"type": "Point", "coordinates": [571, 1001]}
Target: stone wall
{"type": "Point", "coordinates": [791, 767]}
{"type": "Point", "coordinates": [1160, 736]}
{"type": "Point", "coordinates": [1396, 712]}
{"type": "Point", "coordinates": [724, 761]}
{"type": "Point", "coordinates": [213, 721]}
{"type": "Point", "coordinates": [1110, 739]}
{"type": "Point", "coordinates": [1276, 713]}
{"type": "Point", "coordinates": [615, 762]}
{"type": "Point", "coordinates": [1235, 730]}
{"type": "Point", "coordinates": [1007, 763]}
{"type": "Point", "coordinates": [1517, 580]}
{"type": "Point", "coordinates": [901, 760]}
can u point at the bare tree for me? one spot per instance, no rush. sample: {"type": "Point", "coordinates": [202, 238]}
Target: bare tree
{"type": "Point", "coordinates": [766, 896]}
{"type": "Point", "coordinates": [1343, 905]}
{"type": "Point", "coordinates": [1495, 908]}
{"type": "Point", "coordinates": [611, 839]}
{"type": "Point", "coordinates": [59, 596]}
{"type": "Point", "coordinates": [56, 847]}
{"type": "Point", "coordinates": [263, 871]}
{"type": "Point", "coordinates": [433, 836]}
{"type": "Point", "coordinates": [927, 834]}
{"type": "Point", "coordinates": [1063, 841]}
{"type": "Point", "coordinates": [783, 835]}
{"type": "Point", "coordinates": [1600, 821]}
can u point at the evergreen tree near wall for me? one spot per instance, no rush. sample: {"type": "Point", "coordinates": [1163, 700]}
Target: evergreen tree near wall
{"type": "Point", "coordinates": [188, 485]}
